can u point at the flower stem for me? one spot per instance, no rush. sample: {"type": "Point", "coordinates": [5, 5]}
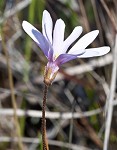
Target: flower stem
{"type": "Point", "coordinates": [44, 138]}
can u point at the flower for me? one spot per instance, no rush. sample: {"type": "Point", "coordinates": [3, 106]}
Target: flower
{"type": "Point", "coordinates": [55, 48]}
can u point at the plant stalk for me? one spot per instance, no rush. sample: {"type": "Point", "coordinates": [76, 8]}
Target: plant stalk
{"type": "Point", "coordinates": [44, 137]}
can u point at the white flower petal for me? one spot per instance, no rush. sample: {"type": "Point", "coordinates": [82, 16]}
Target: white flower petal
{"type": "Point", "coordinates": [28, 29]}
{"type": "Point", "coordinates": [78, 52]}
{"type": "Point", "coordinates": [58, 37]}
{"type": "Point", "coordinates": [72, 37]}
{"type": "Point", "coordinates": [37, 36]}
{"type": "Point", "coordinates": [92, 52]}
{"type": "Point", "coordinates": [47, 25]}
{"type": "Point", "coordinates": [84, 42]}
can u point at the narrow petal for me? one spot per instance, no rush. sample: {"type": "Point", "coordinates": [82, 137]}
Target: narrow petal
{"type": "Point", "coordinates": [93, 52]}
{"type": "Point", "coordinates": [63, 58]}
{"type": "Point", "coordinates": [72, 37]}
{"type": "Point", "coordinates": [84, 42]}
{"type": "Point", "coordinates": [36, 36]}
{"type": "Point", "coordinates": [47, 25]}
{"type": "Point", "coordinates": [77, 52]}
{"type": "Point", "coordinates": [58, 37]}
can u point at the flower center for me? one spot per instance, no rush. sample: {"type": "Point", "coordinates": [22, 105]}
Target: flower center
{"type": "Point", "coordinates": [55, 56]}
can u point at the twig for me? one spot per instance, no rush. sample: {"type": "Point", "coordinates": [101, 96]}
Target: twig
{"type": "Point", "coordinates": [49, 115]}
{"type": "Point", "coordinates": [84, 16]}
{"type": "Point", "coordinates": [97, 21]}
{"type": "Point", "coordinates": [51, 142]}
{"type": "Point", "coordinates": [73, 103]}
{"type": "Point", "coordinates": [71, 124]}
{"type": "Point", "coordinates": [109, 15]}
{"type": "Point", "coordinates": [20, 145]}
{"type": "Point", "coordinates": [111, 98]}
{"type": "Point", "coordinates": [101, 81]}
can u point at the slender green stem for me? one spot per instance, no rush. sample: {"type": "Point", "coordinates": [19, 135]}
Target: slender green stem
{"type": "Point", "coordinates": [10, 76]}
{"type": "Point", "coordinates": [44, 138]}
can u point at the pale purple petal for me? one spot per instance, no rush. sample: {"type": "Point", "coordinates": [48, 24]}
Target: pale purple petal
{"type": "Point", "coordinates": [63, 58]}
{"type": "Point", "coordinates": [92, 52]}
{"type": "Point", "coordinates": [37, 37]}
{"type": "Point", "coordinates": [47, 25]}
{"type": "Point", "coordinates": [84, 42]}
{"type": "Point", "coordinates": [58, 37]}
{"type": "Point", "coordinates": [72, 37]}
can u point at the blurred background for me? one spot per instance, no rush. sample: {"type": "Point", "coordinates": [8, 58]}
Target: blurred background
{"type": "Point", "coordinates": [84, 91]}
